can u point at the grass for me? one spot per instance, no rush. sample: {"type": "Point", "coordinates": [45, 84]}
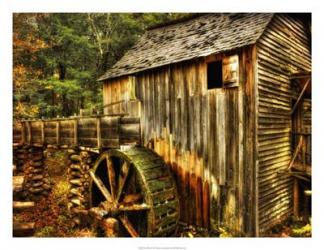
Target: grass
{"type": "Point", "coordinates": [299, 229]}
{"type": "Point", "coordinates": [293, 227]}
{"type": "Point", "coordinates": [47, 231]}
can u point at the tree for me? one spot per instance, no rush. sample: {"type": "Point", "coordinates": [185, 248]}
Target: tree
{"type": "Point", "coordinates": [59, 56]}
{"type": "Point", "coordinates": [26, 44]}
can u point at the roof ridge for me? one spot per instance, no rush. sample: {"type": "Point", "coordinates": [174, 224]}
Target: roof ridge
{"type": "Point", "coordinates": [207, 34]}
{"type": "Point", "coordinates": [176, 21]}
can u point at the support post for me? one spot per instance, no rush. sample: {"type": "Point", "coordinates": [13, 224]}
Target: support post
{"type": "Point", "coordinates": [29, 133]}
{"type": "Point", "coordinates": [23, 133]}
{"type": "Point", "coordinates": [58, 133]}
{"type": "Point", "coordinates": [98, 132]}
{"type": "Point", "coordinates": [300, 97]}
{"type": "Point", "coordinates": [296, 198]}
{"type": "Point", "coordinates": [42, 132]}
{"type": "Point", "coordinates": [75, 131]}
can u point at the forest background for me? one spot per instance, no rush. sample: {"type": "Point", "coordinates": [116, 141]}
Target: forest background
{"type": "Point", "coordinates": [57, 58]}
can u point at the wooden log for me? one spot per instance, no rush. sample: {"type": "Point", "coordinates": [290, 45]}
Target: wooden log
{"type": "Point", "coordinates": [76, 182]}
{"type": "Point", "coordinates": [76, 191]}
{"type": "Point", "coordinates": [75, 158]}
{"type": "Point", "coordinates": [23, 229]}
{"type": "Point", "coordinates": [23, 205]}
{"type": "Point", "coordinates": [17, 182]}
{"type": "Point", "coordinates": [75, 174]}
{"type": "Point", "coordinates": [37, 177]}
{"type": "Point", "coordinates": [35, 190]}
{"type": "Point", "coordinates": [77, 201]}
{"type": "Point", "coordinates": [36, 171]}
{"type": "Point", "coordinates": [76, 167]}
{"type": "Point", "coordinates": [37, 184]}
{"type": "Point", "coordinates": [46, 186]}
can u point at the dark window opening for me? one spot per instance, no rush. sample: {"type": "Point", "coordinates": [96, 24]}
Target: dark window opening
{"type": "Point", "coordinates": [214, 75]}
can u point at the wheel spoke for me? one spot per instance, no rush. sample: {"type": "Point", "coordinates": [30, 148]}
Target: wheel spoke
{"type": "Point", "coordinates": [131, 198]}
{"type": "Point", "coordinates": [101, 186]}
{"type": "Point", "coordinates": [111, 177]}
{"type": "Point", "coordinates": [97, 212]}
{"type": "Point", "coordinates": [122, 179]}
{"type": "Point", "coordinates": [128, 225]}
{"type": "Point", "coordinates": [134, 207]}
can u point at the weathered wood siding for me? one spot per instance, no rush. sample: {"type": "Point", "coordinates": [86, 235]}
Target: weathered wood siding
{"type": "Point", "coordinates": [201, 135]}
{"type": "Point", "coordinates": [17, 132]}
{"type": "Point", "coordinates": [116, 95]}
{"type": "Point", "coordinates": [282, 49]}
{"type": "Point", "coordinates": [93, 132]}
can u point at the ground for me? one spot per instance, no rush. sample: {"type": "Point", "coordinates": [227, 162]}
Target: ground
{"type": "Point", "coordinates": [52, 218]}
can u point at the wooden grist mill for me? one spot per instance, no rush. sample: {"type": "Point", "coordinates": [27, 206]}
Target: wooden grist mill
{"type": "Point", "coordinates": [207, 122]}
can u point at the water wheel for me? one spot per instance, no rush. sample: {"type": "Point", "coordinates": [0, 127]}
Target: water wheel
{"type": "Point", "coordinates": [132, 193]}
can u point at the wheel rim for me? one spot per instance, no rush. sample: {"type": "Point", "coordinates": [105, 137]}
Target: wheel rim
{"type": "Point", "coordinates": [117, 191]}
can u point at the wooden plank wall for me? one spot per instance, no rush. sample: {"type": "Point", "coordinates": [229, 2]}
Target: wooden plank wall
{"type": "Point", "coordinates": [116, 91]}
{"type": "Point", "coordinates": [282, 50]}
{"type": "Point", "coordinates": [93, 132]}
{"type": "Point", "coordinates": [199, 133]}
{"type": "Point", "coordinates": [17, 134]}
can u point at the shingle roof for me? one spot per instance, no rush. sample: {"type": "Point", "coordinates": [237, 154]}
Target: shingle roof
{"type": "Point", "coordinates": [198, 37]}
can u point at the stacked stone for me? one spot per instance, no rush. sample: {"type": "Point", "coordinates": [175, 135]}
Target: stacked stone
{"type": "Point", "coordinates": [79, 180]}
{"type": "Point", "coordinates": [37, 182]}
{"type": "Point", "coordinates": [20, 157]}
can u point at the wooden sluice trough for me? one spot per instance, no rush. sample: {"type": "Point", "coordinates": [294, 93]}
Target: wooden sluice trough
{"type": "Point", "coordinates": [112, 178]}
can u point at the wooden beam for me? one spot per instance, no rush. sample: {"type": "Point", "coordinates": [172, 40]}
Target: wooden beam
{"type": "Point", "coordinates": [23, 229]}
{"type": "Point", "coordinates": [122, 179]}
{"type": "Point", "coordinates": [296, 152]}
{"type": "Point", "coordinates": [296, 198]}
{"type": "Point", "coordinates": [23, 133]}
{"type": "Point", "coordinates": [17, 182]}
{"type": "Point", "coordinates": [117, 102]}
{"type": "Point", "coordinates": [42, 132]}
{"type": "Point", "coordinates": [23, 205]}
{"type": "Point", "coordinates": [75, 131]}
{"type": "Point", "coordinates": [300, 97]}
{"type": "Point", "coordinates": [98, 132]}
{"type": "Point", "coordinates": [135, 207]}
{"type": "Point", "coordinates": [128, 225]}
{"type": "Point", "coordinates": [101, 186]}
{"type": "Point", "coordinates": [111, 177]}
{"type": "Point", "coordinates": [29, 132]}
{"type": "Point", "coordinates": [58, 133]}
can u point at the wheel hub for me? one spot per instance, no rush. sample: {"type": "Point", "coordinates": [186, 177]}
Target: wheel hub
{"type": "Point", "coordinates": [111, 209]}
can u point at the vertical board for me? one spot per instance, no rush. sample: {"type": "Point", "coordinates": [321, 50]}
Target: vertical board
{"type": "Point", "coordinates": [201, 125]}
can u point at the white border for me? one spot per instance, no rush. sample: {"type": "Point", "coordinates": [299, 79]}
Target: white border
{"type": "Point", "coordinates": [9, 6]}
